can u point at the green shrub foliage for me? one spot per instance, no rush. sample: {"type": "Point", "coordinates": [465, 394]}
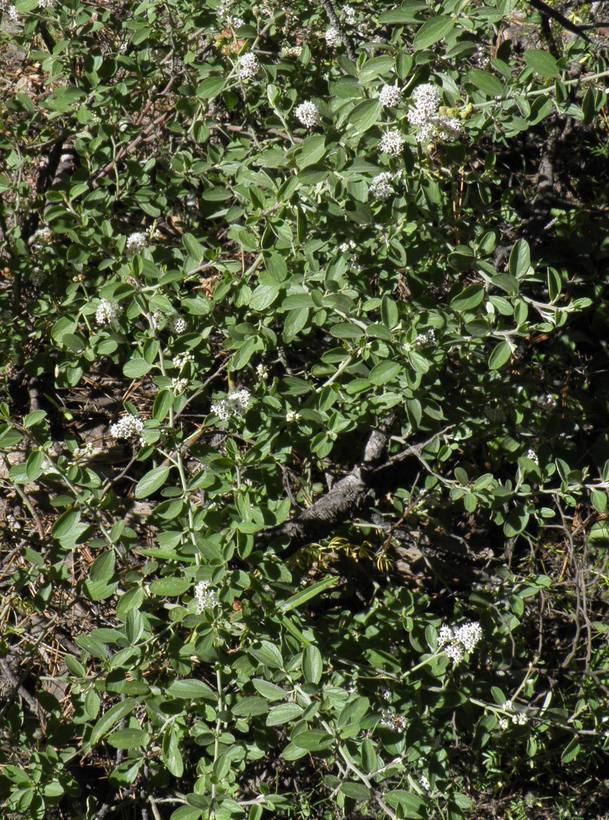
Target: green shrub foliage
{"type": "Point", "coordinates": [303, 423]}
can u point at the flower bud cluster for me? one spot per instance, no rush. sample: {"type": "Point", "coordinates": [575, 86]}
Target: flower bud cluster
{"type": "Point", "coordinates": [136, 243]}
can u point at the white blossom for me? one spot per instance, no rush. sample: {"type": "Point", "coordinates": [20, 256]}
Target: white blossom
{"type": "Point", "coordinates": [532, 456]}
{"type": "Point", "coordinates": [392, 142]}
{"type": "Point", "coordinates": [469, 634]}
{"type": "Point", "coordinates": [182, 359]}
{"type": "Point", "coordinates": [127, 427]}
{"type": "Point", "coordinates": [425, 339]}
{"type": "Point", "coordinates": [333, 37]}
{"type": "Point", "coordinates": [46, 4]}
{"type": "Point", "coordinates": [106, 312]}
{"type": "Point", "coordinates": [292, 416]}
{"type": "Point", "coordinates": [179, 385]}
{"type": "Point", "coordinates": [390, 96]}
{"type": "Point", "coordinates": [235, 404]}
{"type": "Point", "coordinates": [350, 245]}
{"type": "Point", "coordinates": [381, 186]}
{"type": "Point", "coordinates": [206, 596]}
{"type": "Point", "coordinates": [240, 399]}
{"type": "Point", "coordinates": [349, 15]}
{"type": "Point", "coordinates": [426, 98]}
{"type": "Point", "coordinates": [178, 325]}
{"type": "Point", "coordinates": [291, 51]}
{"type": "Point", "coordinates": [262, 372]}
{"type": "Point", "coordinates": [456, 641]}
{"type": "Point", "coordinates": [424, 783]}
{"type": "Point", "coordinates": [136, 243]}
{"type": "Point", "coordinates": [248, 66]}
{"type": "Point", "coordinates": [11, 12]}
{"type": "Point", "coordinates": [308, 114]}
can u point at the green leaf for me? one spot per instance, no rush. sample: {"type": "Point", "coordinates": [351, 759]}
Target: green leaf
{"type": "Point", "coordinates": [191, 689]}
{"type": "Point", "coordinates": [365, 115]}
{"type": "Point", "coordinates": [470, 297]}
{"type": "Point", "coordinates": [34, 465]}
{"type": "Point", "coordinates": [520, 258]}
{"type": "Point", "coordinates": [302, 596]}
{"type": "Point", "coordinates": [431, 31]}
{"type": "Point", "coordinates": [384, 372]}
{"type": "Point", "coordinates": [136, 368]}
{"type": "Point", "coordinates": [500, 355]}
{"type": "Point", "coordinates": [313, 740]}
{"type": "Point", "coordinates": [312, 664]}
{"type": "Point", "coordinates": [103, 567]}
{"type": "Point", "coordinates": [283, 713]}
{"type": "Point", "coordinates": [110, 719]}
{"type": "Point", "coordinates": [151, 482]}
{"type": "Point", "coordinates": [170, 587]}
{"type": "Point", "coordinates": [250, 706]}
{"type": "Point", "coordinates": [210, 87]}
{"type": "Point", "coordinates": [269, 690]}
{"type": "Point", "coordinates": [486, 82]}
{"type": "Point", "coordinates": [356, 791]}
{"type": "Point", "coordinates": [162, 403]}
{"type": "Point", "coordinates": [170, 752]}
{"type": "Point", "coordinates": [128, 738]}
{"type": "Point", "coordinates": [263, 297]}
{"type": "Point", "coordinates": [311, 150]}
{"type": "Point", "coordinates": [268, 654]}
{"type": "Point", "coordinates": [542, 63]}
{"type": "Point", "coordinates": [66, 525]}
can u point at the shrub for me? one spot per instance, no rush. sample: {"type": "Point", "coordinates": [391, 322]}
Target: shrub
{"type": "Point", "coordinates": [303, 432]}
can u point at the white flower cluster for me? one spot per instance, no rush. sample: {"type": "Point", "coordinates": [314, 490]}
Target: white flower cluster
{"type": "Point", "coordinates": [106, 312]}
{"type": "Point", "coordinates": [308, 114]}
{"type": "Point", "coordinates": [392, 143]}
{"type": "Point", "coordinates": [345, 247]}
{"type": "Point", "coordinates": [532, 456]}
{"type": "Point", "coordinates": [235, 404]}
{"type": "Point", "coordinates": [333, 37]}
{"type": "Point", "coordinates": [136, 243]}
{"type": "Point", "coordinates": [178, 324]}
{"type": "Point", "coordinates": [291, 51]}
{"type": "Point", "coordinates": [248, 66]}
{"type": "Point", "coordinates": [425, 339]}
{"type": "Point", "coordinates": [424, 783]}
{"type": "Point", "coordinates": [42, 236]}
{"type": "Point", "coordinates": [517, 718]}
{"type": "Point", "coordinates": [292, 416]}
{"type": "Point", "coordinates": [226, 18]}
{"type": "Point", "coordinates": [127, 427]}
{"type": "Point", "coordinates": [182, 359]}
{"type": "Point", "coordinates": [392, 720]}
{"type": "Point", "coordinates": [206, 596]}
{"type": "Point", "coordinates": [179, 385]}
{"type": "Point", "coordinates": [381, 186]}
{"type": "Point", "coordinates": [262, 372]}
{"type": "Point", "coordinates": [390, 96]}
{"type": "Point", "coordinates": [457, 641]}
{"type": "Point", "coordinates": [10, 11]}
{"type": "Point", "coordinates": [46, 4]}
{"type": "Point", "coordinates": [349, 15]}
{"type": "Point", "coordinates": [424, 116]}
{"type": "Point", "coordinates": [548, 401]}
